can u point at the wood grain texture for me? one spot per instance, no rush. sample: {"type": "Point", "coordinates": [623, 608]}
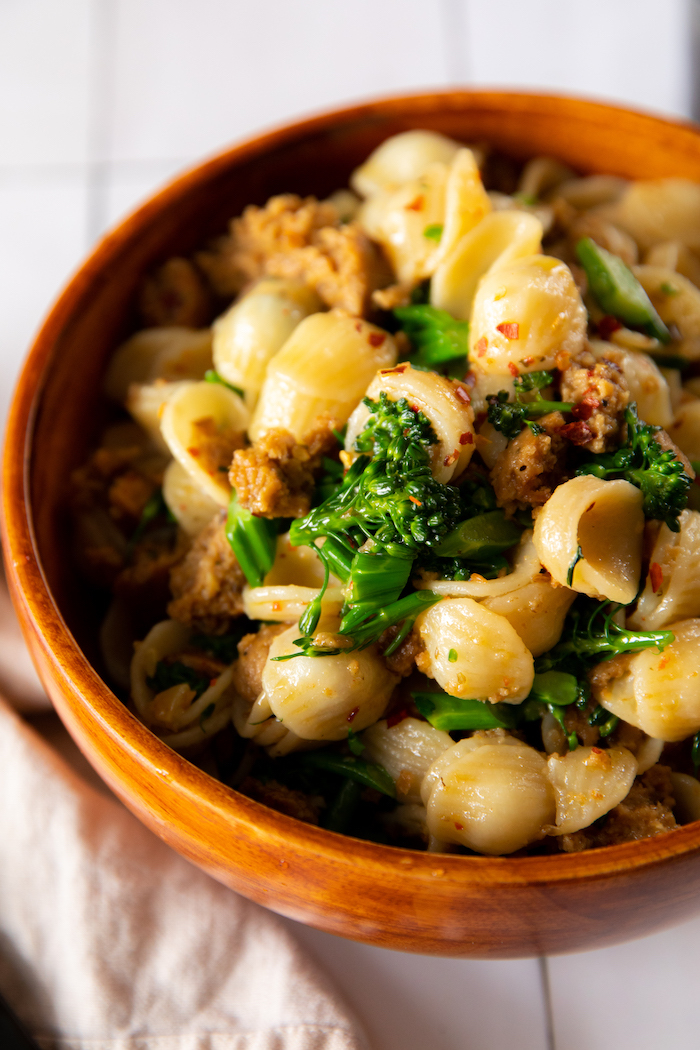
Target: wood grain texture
{"type": "Point", "coordinates": [448, 905]}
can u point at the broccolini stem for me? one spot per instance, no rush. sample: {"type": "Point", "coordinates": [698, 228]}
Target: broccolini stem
{"type": "Point", "coordinates": [253, 541]}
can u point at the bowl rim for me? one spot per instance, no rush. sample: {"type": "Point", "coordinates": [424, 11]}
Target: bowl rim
{"type": "Point", "coordinates": [55, 644]}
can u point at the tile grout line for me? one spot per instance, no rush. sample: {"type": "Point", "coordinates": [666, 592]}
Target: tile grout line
{"type": "Point", "coordinates": [101, 111]}
{"type": "Point", "coordinates": [543, 964]}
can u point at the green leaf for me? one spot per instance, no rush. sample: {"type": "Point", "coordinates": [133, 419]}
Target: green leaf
{"type": "Point", "coordinates": [451, 713]}
{"type": "Point", "coordinates": [167, 674]}
{"type": "Point", "coordinates": [366, 773]}
{"type": "Point", "coordinates": [617, 290]}
{"type": "Point", "coordinates": [555, 687]}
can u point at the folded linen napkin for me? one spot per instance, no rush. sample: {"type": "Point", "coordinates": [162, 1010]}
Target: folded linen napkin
{"type": "Point", "coordinates": [111, 941]}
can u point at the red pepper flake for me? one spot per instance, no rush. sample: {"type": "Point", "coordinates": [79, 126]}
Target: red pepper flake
{"type": "Point", "coordinates": [416, 204]}
{"type": "Point", "coordinates": [527, 361]}
{"type": "Point", "coordinates": [452, 458]}
{"type": "Point", "coordinates": [193, 451]}
{"type": "Point", "coordinates": [482, 346]}
{"type": "Point", "coordinates": [358, 326]}
{"type": "Point", "coordinates": [470, 379]}
{"type": "Point", "coordinates": [460, 827]}
{"type": "Point", "coordinates": [577, 433]}
{"type": "Point", "coordinates": [596, 750]}
{"type": "Point", "coordinates": [510, 329]}
{"type": "Point", "coordinates": [656, 575]}
{"type": "Point", "coordinates": [416, 501]}
{"type": "Point", "coordinates": [399, 369]}
{"type": "Point", "coordinates": [353, 714]}
{"type": "Point", "coordinates": [462, 394]}
{"type": "Point", "coordinates": [607, 325]}
{"type": "Point", "coordinates": [398, 716]}
{"type": "Point", "coordinates": [467, 438]}
{"type": "Point", "coordinates": [213, 681]}
{"type": "Point", "coordinates": [276, 606]}
{"type": "Point", "coordinates": [376, 338]}
{"type": "Point", "coordinates": [585, 409]}
{"type": "Point", "coordinates": [513, 369]}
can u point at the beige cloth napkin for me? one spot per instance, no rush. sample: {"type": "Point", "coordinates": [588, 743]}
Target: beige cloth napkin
{"type": "Point", "coordinates": [111, 941]}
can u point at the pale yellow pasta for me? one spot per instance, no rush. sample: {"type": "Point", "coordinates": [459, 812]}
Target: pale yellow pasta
{"type": "Point", "coordinates": [255, 328]}
{"type": "Point", "coordinates": [604, 520]}
{"type": "Point", "coordinates": [591, 191]}
{"type": "Point", "coordinates": [398, 220]}
{"type": "Point", "coordinates": [536, 610]}
{"type": "Point", "coordinates": [672, 255]}
{"type": "Point", "coordinates": [524, 314]}
{"type": "Point", "coordinates": [474, 652]}
{"type": "Point", "coordinates": [588, 783]}
{"type": "Point", "coordinates": [678, 303]}
{"type": "Point", "coordinates": [158, 353]}
{"type": "Point", "coordinates": [544, 213]}
{"type": "Point", "coordinates": [346, 203]}
{"type": "Point", "coordinates": [164, 639]}
{"type": "Point", "coordinates": [401, 158]}
{"type": "Point", "coordinates": [324, 368]}
{"type": "Point", "coordinates": [644, 379]}
{"type": "Point", "coordinates": [466, 201]}
{"type": "Point", "coordinates": [488, 793]}
{"type": "Point", "coordinates": [323, 699]}
{"type": "Point", "coordinates": [297, 565]}
{"type": "Point", "coordinates": [685, 429]}
{"type": "Point", "coordinates": [490, 443]}
{"type": "Point", "coordinates": [542, 174]}
{"type": "Point", "coordinates": [146, 401]}
{"type": "Point", "coordinates": [526, 567]}
{"type": "Point", "coordinates": [445, 403]}
{"type": "Point", "coordinates": [490, 245]}
{"type": "Point", "coordinates": [406, 750]}
{"type": "Point", "coordinates": [658, 210]}
{"type": "Point", "coordinates": [658, 691]}
{"type": "Point", "coordinates": [182, 412]}
{"type": "Point", "coordinates": [686, 792]}
{"type": "Point", "coordinates": [186, 500]}
{"type": "Point", "coordinates": [285, 603]}
{"type": "Point", "coordinates": [648, 753]}
{"type": "Point", "coordinates": [672, 588]}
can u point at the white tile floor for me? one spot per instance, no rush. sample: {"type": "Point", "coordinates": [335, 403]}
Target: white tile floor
{"type": "Point", "coordinates": [103, 100]}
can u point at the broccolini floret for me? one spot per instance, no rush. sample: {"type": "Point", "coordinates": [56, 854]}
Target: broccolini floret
{"type": "Point", "coordinates": [642, 461]}
{"type": "Point", "coordinates": [511, 416]}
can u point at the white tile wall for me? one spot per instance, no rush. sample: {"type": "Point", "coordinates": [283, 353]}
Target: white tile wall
{"type": "Point", "coordinates": [101, 101]}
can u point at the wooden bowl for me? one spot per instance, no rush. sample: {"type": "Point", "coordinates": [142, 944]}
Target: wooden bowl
{"type": "Point", "coordinates": [441, 904]}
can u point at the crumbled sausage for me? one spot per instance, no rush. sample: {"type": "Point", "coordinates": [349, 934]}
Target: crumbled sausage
{"type": "Point", "coordinates": [175, 295]}
{"type": "Point", "coordinates": [253, 650]}
{"type": "Point", "coordinates": [403, 660]}
{"type": "Point", "coordinates": [530, 467]}
{"type": "Point", "coordinates": [274, 478]}
{"type": "Point", "coordinates": [284, 799]}
{"type": "Point", "coordinates": [299, 238]}
{"type": "Point", "coordinates": [646, 811]}
{"type": "Point", "coordinates": [600, 395]}
{"type": "Point", "coordinates": [208, 583]}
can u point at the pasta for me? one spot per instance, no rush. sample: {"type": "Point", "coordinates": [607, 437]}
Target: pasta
{"type": "Point", "coordinates": [405, 542]}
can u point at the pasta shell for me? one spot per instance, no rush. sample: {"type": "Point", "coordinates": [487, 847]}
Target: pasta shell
{"type": "Point", "coordinates": [588, 783]}
{"type": "Point", "coordinates": [677, 301]}
{"type": "Point", "coordinates": [489, 246]}
{"type": "Point", "coordinates": [647, 384]}
{"type": "Point", "coordinates": [158, 353]}
{"type": "Point", "coordinates": [602, 519]}
{"type": "Point", "coordinates": [186, 500]}
{"type": "Point", "coordinates": [686, 791]}
{"type": "Point", "coordinates": [526, 568]}
{"type": "Point", "coordinates": [254, 329]}
{"type": "Point", "coordinates": [444, 402]}
{"type": "Point", "coordinates": [324, 368]}
{"type": "Point", "coordinates": [184, 415]}
{"type": "Point", "coordinates": [685, 429]}
{"type": "Point", "coordinates": [656, 210]}
{"type": "Point", "coordinates": [285, 603]}
{"type": "Point", "coordinates": [672, 588]}
{"type": "Point", "coordinates": [473, 652]}
{"type": "Point", "coordinates": [401, 159]}
{"type": "Point", "coordinates": [146, 401]}
{"type": "Point", "coordinates": [406, 750]}
{"type": "Point", "coordinates": [536, 610]}
{"type": "Point", "coordinates": [466, 201]}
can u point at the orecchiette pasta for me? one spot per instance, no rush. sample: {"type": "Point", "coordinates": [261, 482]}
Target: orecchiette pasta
{"type": "Point", "coordinates": [254, 329]}
{"type": "Point", "coordinates": [526, 568]}
{"type": "Point", "coordinates": [489, 246]}
{"type": "Point", "coordinates": [474, 652]}
{"type": "Point", "coordinates": [536, 610]}
{"type": "Point", "coordinates": [672, 588]}
{"type": "Point", "coordinates": [445, 403]}
{"type": "Point", "coordinates": [324, 368]}
{"type": "Point", "coordinates": [401, 159]}
{"type": "Point", "coordinates": [647, 385]}
{"type": "Point", "coordinates": [466, 201]}
{"type": "Point", "coordinates": [525, 314]}
{"type": "Point", "coordinates": [588, 536]}
{"type": "Point", "coordinates": [170, 354]}
{"type": "Point", "coordinates": [199, 424]}
{"type": "Point", "coordinates": [407, 751]}
{"type": "Point", "coordinates": [489, 793]}
{"type": "Point", "coordinates": [657, 691]}
{"type": "Point", "coordinates": [146, 401]}
{"type": "Point", "coordinates": [186, 499]}
{"type": "Point", "coordinates": [285, 603]}
{"type": "Point", "coordinates": [672, 255]}
{"type": "Point", "coordinates": [542, 174]}
{"type": "Point", "coordinates": [588, 783]}
{"type": "Point", "coordinates": [678, 303]}
{"type": "Point", "coordinates": [659, 210]}
{"type": "Point", "coordinates": [685, 429]}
